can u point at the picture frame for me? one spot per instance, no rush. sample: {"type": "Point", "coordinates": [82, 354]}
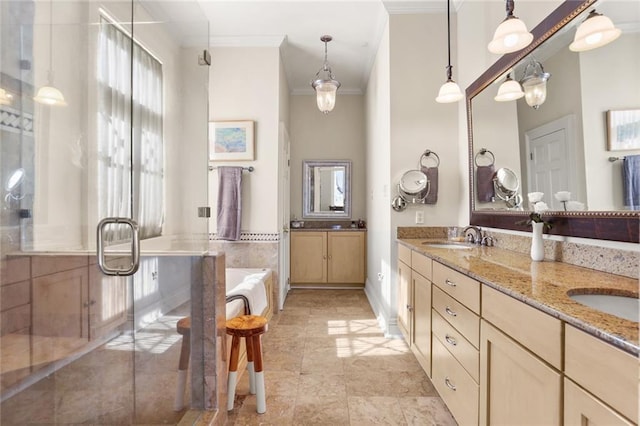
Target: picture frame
{"type": "Point", "coordinates": [231, 140]}
{"type": "Point", "coordinates": [623, 130]}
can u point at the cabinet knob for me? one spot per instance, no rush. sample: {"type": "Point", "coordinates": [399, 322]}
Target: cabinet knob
{"type": "Point", "coordinates": [449, 282]}
{"type": "Point", "coordinates": [324, 257]}
{"type": "Point", "coordinates": [450, 312]}
{"type": "Point", "coordinates": [450, 340]}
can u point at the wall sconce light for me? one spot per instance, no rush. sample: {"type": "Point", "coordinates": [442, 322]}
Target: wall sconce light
{"type": "Point", "coordinates": [5, 98]}
{"type": "Point", "coordinates": [511, 35]}
{"type": "Point", "coordinates": [326, 88]}
{"type": "Point", "coordinates": [49, 94]}
{"type": "Point", "coordinates": [509, 90]}
{"type": "Point", "coordinates": [534, 83]}
{"type": "Point", "coordinates": [449, 91]}
{"type": "Point", "coordinates": [595, 31]}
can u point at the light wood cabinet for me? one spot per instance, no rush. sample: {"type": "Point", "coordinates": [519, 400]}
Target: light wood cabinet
{"type": "Point", "coordinates": [583, 409]}
{"type": "Point", "coordinates": [422, 321]}
{"type": "Point", "coordinates": [328, 257]}
{"type": "Point", "coordinates": [517, 387]}
{"type": "Point", "coordinates": [405, 302]}
{"type": "Point", "coordinates": [608, 373]}
{"type": "Point", "coordinates": [107, 302]}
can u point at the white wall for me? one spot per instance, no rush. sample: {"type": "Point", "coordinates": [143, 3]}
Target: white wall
{"type": "Point", "coordinates": [339, 135]}
{"type": "Point", "coordinates": [244, 86]}
{"type": "Point", "coordinates": [380, 235]}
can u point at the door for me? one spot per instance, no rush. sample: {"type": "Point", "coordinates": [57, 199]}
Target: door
{"type": "Point", "coordinates": [548, 171]}
{"type": "Point", "coordinates": [109, 120]}
{"type": "Point", "coordinates": [345, 253]}
{"type": "Point", "coordinates": [308, 257]}
{"type": "Point", "coordinates": [285, 208]}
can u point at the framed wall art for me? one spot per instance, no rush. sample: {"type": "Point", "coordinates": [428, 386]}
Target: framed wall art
{"type": "Point", "coordinates": [623, 130]}
{"type": "Point", "coordinates": [231, 141]}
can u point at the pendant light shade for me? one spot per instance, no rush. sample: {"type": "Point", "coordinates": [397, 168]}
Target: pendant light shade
{"type": "Point", "coordinates": [511, 35]}
{"type": "Point", "coordinates": [595, 31]}
{"type": "Point", "coordinates": [49, 94]}
{"type": "Point", "coordinates": [5, 98]}
{"type": "Point", "coordinates": [534, 83]}
{"type": "Point", "coordinates": [326, 88]}
{"type": "Point", "coordinates": [450, 91]}
{"type": "Point", "coordinates": [509, 90]}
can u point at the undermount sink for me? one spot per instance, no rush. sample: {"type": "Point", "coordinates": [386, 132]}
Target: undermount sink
{"type": "Point", "coordinates": [626, 307]}
{"type": "Point", "coordinates": [448, 245]}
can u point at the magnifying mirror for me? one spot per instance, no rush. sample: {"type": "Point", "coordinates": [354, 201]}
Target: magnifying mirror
{"type": "Point", "coordinates": [14, 180]}
{"type": "Point", "coordinates": [506, 184]}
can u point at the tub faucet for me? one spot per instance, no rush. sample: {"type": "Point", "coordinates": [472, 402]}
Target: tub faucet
{"type": "Point", "coordinates": [475, 237]}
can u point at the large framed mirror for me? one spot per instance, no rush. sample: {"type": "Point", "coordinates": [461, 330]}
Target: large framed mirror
{"type": "Point", "coordinates": [581, 90]}
{"type": "Point", "coordinates": [326, 190]}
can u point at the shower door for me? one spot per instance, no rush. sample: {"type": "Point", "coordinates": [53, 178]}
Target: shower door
{"type": "Point", "coordinates": [103, 115]}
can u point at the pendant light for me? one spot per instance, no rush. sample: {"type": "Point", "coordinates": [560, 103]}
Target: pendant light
{"type": "Point", "coordinates": [48, 94]}
{"type": "Point", "coordinates": [534, 83]}
{"type": "Point", "coordinates": [595, 31]}
{"type": "Point", "coordinates": [511, 35]}
{"type": "Point", "coordinates": [509, 90]}
{"type": "Point", "coordinates": [326, 88]}
{"type": "Point", "coordinates": [449, 91]}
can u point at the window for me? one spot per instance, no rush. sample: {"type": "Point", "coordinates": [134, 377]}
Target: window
{"type": "Point", "coordinates": [130, 123]}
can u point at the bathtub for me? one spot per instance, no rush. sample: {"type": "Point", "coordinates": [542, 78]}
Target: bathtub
{"type": "Point", "coordinates": [255, 284]}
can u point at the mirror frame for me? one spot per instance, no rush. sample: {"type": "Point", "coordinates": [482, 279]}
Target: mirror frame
{"type": "Point", "coordinates": [307, 166]}
{"type": "Point", "coordinates": [616, 226]}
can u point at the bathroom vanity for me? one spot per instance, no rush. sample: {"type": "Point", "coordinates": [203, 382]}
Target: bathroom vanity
{"type": "Point", "coordinates": [504, 343]}
{"type": "Point", "coordinates": [328, 255]}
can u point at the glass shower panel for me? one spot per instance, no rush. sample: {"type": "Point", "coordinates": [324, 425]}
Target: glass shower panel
{"type": "Point", "coordinates": [121, 125]}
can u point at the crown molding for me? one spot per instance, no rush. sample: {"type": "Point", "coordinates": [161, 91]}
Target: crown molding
{"type": "Point", "coordinates": [310, 92]}
{"type": "Point", "coordinates": [247, 41]}
{"type": "Point", "coordinates": [407, 7]}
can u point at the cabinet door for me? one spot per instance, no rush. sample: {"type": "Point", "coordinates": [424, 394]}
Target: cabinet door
{"type": "Point", "coordinates": [308, 257]}
{"type": "Point", "coordinates": [422, 321]}
{"type": "Point", "coordinates": [405, 300]}
{"type": "Point", "coordinates": [346, 257]}
{"type": "Point", "coordinates": [581, 408]}
{"type": "Point", "coordinates": [107, 302]}
{"type": "Point", "coordinates": [60, 304]}
{"type": "Point", "coordinates": [517, 388]}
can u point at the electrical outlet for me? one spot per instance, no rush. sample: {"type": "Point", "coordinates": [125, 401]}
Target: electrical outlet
{"type": "Point", "coordinates": [419, 217]}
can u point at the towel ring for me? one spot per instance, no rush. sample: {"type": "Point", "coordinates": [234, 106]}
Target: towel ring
{"type": "Point", "coordinates": [484, 151]}
{"type": "Point", "coordinates": [427, 154]}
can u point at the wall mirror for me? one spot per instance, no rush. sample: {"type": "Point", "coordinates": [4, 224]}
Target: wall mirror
{"type": "Point", "coordinates": [326, 190]}
{"type": "Point", "coordinates": [561, 146]}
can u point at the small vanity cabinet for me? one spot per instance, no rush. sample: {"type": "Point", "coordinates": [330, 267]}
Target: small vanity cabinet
{"type": "Point", "coordinates": [331, 258]}
{"type": "Point", "coordinates": [414, 303]}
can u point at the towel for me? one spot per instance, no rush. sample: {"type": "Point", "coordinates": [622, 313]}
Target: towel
{"type": "Point", "coordinates": [229, 203]}
{"type": "Point", "coordinates": [432, 187]}
{"type": "Point", "coordinates": [484, 183]}
{"type": "Point", "coordinates": [253, 289]}
{"type": "Point", "coordinates": [631, 181]}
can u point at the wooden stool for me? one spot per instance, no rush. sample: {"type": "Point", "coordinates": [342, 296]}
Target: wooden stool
{"type": "Point", "coordinates": [251, 327]}
{"type": "Point", "coordinates": [184, 328]}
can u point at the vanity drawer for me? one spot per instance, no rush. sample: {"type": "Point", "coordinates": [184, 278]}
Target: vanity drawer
{"type": "Point", "coordinates": [462, 288]}
{"type": "Point", "coordinates": [461, 318]}
{"type": "Point", "coordinates": [458, 390]}
{"type": "Point", "coordinates": [421, 264]}
{"type": "Point", "coordinates": [404, 254]}
{"type": "Point", "coordinates": [539, 332]}
{"type": "Point", "coordinates": [607, 372]}
{"type": "Point", "coordinates": [460, 348]}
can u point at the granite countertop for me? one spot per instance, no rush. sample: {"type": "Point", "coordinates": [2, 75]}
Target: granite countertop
{"type": "Point", "coordinates": [328, 225]}
{"type": "Point", "coordinates": [544, 285]}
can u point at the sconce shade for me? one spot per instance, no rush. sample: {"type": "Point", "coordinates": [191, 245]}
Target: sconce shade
{"type": "Point", "coordinates": [595, 31]}
{"type": "Point", "coordinates": [49, 95]}
{"type": "Point", "coordinates": [326, 88]}
{"type": "Point", "coordinates": [5, 98]}
{"type": "Point", "coordinates": [510, 36]}
{"type": "Point", "coordinates": [509, 90]}
{"type": "Point", "coordinates": [534, 83]}
{"type": "Point", "coordinates": [449, 92]}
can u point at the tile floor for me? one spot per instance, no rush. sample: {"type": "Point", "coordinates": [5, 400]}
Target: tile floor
{"type": "Point", "coordinates": [327, 362]}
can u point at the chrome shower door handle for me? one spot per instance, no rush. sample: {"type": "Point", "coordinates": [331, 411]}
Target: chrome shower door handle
{"type": "Point", "coordinates": [135, 246]}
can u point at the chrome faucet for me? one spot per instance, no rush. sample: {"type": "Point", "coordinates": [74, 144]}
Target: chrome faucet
{"type": "Point", "coordinates": [475, 237]}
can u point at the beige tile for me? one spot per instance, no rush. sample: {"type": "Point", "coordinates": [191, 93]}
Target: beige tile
{"type": "Point", "coordinates": [389, 383]}
{"type": "Point", "coordinates": [377, 410]}
{"type": "Point", "coordinates": [281, 383]}
{"type": "Point", "coordinates": [321, 410]}
{"type": "Point", "coordinates": [322, 384]}
{"type": "Point", "coordinates": [280, 411]}
{"type": "Point", "coordinates": [324, 361]}
{"type": "Point", "coordinates": [426, 411]}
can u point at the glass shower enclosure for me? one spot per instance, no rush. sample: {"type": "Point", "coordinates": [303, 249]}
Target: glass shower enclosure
{"type": "Point", "coordinates": [103, 115]}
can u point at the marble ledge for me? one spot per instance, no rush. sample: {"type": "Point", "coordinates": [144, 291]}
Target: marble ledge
{"type": "Point", "coordinates": [544, 285]}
